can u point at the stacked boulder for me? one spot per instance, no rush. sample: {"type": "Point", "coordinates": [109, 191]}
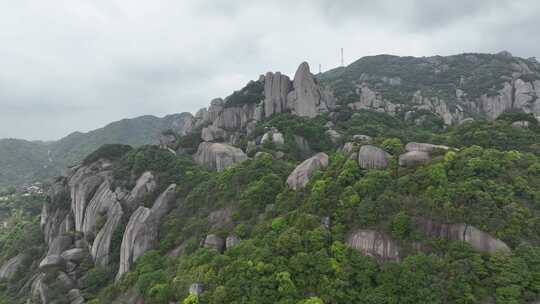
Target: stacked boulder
{"type": "Point", "coordinates": [419, 153]}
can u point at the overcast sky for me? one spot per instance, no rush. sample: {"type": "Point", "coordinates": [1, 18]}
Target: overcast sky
{"type": "Point", "coordinates": [68, 65]}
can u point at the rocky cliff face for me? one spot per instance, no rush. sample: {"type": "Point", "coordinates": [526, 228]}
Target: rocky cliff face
{"type": "Point", "coordinates": [141, 232]}
{"type": "Point", "coordinates": [83, 213]}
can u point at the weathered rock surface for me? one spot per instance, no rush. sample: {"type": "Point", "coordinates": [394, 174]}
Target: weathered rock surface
{"type": "Point", "coordinates": [300, 176]}
{"type": "Point", "coordinates": [39, 289]}
{"type": "Point", "coordinates": [423, 147]}
{"type": "Point", "coordinates": [276, 88]}
{"type": "Point", "coordinates": [83, 185]}
{"type": "Point", "coordinates": [99, 205]}
{"type": "Point", "coordinates": [74, 254]}
{"type": "Point", "coordinates": [142, 229]}
{"type": "Point", "coordinates": [212, 133]}
{"type": "Point", "coordinates": [213, 241]}
{"type": "Point", "coordinates": [478, 239]}
{"type": "Point", "coordinates": [371, 157]}
{"type": "Point", "coordinates": [101, 247]}
{"type": "Point", "coordinates": [413, 158]}
{"type": "Point", "coordinates": [10, 267]}
{"type": "Point", "coordinates": [75, 296]}
{"type": "Point", "coordinates": [375, 244]}
{"type": "Point", "coordinates": [145, 184]}
{"type": "Point", "coordinates": [307, 98]}
{"type": "Point", "coordinates": [218, 156]}
{"type": "Point", "coordinates": [231, 241]}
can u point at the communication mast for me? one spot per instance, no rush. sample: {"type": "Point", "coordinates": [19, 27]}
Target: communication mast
{"type": "Point", "coordinates": [342, 61]}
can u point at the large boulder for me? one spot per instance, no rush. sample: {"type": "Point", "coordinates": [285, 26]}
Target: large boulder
{"type": "Point", "coordinates": [141, 232]}
{"type": "Point", "coordinates": [424, 147]}
{"type": "Point", "coordinates": [413, 158]}
{"type": "Point", "coordinates": [477, 238]}
{"type": "Point", "coordinates": [302, 173]}
{"type": "Point", "coordinates": [10, 267]}
{"type": "Point", "coordinates": [375, 244]}
{"type": "Point", "coordinates": [307, 98]}
{"type": "Point", "coordinates": [276, 88]}
{"type": "Point", "coordinates": [218, 156]}
{"type": "Point", "coordinates": [213, 241]}
{"type": "Point", "coordinates": [371, 157]}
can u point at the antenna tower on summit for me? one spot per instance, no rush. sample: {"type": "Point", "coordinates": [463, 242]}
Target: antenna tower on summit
{"type": "Point", "coordinates": [342, 61]}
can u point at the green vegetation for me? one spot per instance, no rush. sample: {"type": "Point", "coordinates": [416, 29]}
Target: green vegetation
{"type": "Point", "coordinates": [21, 235]}
{"type": "Point", "coordinates": [398, 78]}
{"type": "Point", "coordinates": [253, 92]}
{"type": "Point", "coordinates": [28, 161]}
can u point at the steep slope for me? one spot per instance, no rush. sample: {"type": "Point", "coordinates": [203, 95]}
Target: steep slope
{"type": "Point", "coordinates": [24, 161]}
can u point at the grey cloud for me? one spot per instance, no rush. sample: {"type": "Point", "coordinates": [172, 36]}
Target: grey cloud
{"type": "Point", "coordinates": [78, 65]}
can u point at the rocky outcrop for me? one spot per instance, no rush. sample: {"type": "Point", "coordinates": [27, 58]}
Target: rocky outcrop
{"type": "Point", "coordinates": [371, 157]}
{"type": "Point", "coordinates": [53, 258]}
{"type": "Point", "coordinates": [141, 232]}
{"type": "Point", "coordinates": [371, 100]}
{"type": "Point", "coordinates": [375, 244]}
{"type": "Point", "coordinates": [478, 239]}
{"type": "Point", "coordinates": [10, 267]}
{"type": "Point", "coordinates": [307, 98]}
{"type": "Point", "coordinates": [213, 241]}
{"type": "Point", "coordinates": [212, 133]}
{"type": "Point", "coordinates": [100, 203]}
{"type": "Point", "coordinates": [145, 184]}
{"type": "Point", "coordinates": [101, 247]}
{"type": "Point", "coordinates": [83, 185]}
{"type": "Point", "coordinates": [423, 147]}
{"type": "Point", "coordinates": [300, 176]}
{"type": "Point", "coordinates": [276, 88]}
{"type": "Point", "coordinates": [218, 156]}
{"type": "Point", "coordinates": [413, 158]}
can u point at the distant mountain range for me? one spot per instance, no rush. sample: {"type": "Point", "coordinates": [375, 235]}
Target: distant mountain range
{"type": "Point", "coordinates": [23, 161]}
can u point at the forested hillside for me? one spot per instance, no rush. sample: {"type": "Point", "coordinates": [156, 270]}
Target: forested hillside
{"type": "Point", "coordinates": [24, 161]}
